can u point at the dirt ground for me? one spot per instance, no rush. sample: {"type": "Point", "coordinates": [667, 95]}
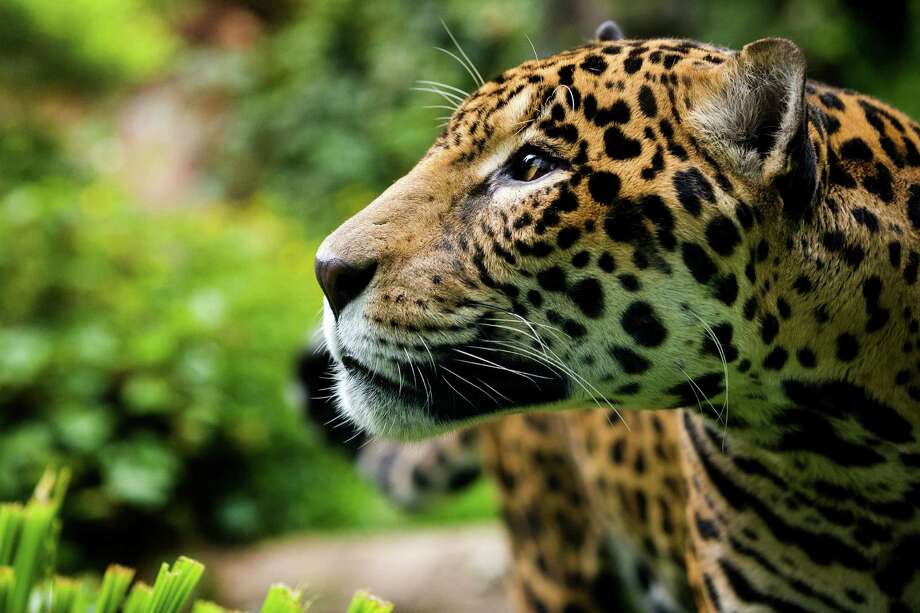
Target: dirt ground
{"type": "Point", "coordinates": [444, 570]}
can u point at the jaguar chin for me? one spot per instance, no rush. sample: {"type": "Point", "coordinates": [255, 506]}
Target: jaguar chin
{"type": "Point", "coordinates": [411, 397]}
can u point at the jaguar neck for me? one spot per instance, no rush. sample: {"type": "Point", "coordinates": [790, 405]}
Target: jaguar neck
{"type": "Point", "coordinates": [834, 345]}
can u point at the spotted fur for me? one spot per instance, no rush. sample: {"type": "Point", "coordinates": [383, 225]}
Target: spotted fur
{"type": "Point", "coordinates": [413, 475]}
{"type": "Point", "coordinates": [716, 232]}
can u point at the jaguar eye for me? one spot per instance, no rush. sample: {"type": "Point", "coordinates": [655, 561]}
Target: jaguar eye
{"type": "Point", "coordinates": [530, 164]}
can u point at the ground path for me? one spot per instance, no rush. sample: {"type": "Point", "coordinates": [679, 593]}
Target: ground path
{"type": "Point", "coordinates": [457, 569]}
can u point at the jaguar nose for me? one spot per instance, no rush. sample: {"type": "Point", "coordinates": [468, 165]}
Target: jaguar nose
{"type": "Point", "coordinates": [343, 281]}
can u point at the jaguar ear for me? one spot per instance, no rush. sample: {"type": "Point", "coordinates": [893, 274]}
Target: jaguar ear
{"type": "Point", "coordinates": [751, 112]}
{"type": "Point", "coordinates": [608, 30]}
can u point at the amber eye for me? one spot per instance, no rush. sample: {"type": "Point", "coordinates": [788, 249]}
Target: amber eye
{"type": "Point", "coordinates": [529, 164]}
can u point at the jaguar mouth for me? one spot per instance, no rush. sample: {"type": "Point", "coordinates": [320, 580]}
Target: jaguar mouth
{"type": "Point", "coordinates": [457, 385]}
{"type": "Point", "coordinates": [397, 389]}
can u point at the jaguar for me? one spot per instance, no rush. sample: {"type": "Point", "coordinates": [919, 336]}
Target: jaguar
{"type": "Point", "coordinates": [673, 287]}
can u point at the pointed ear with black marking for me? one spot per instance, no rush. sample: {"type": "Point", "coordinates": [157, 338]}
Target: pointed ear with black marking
{"type": "Point", "coordinates": [608, 30]}
{"type": "Point", "coordinates": [751, 113]}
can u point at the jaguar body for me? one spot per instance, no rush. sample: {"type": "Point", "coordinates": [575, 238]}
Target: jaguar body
{"type": "Point", "coordinates": [711, 257]}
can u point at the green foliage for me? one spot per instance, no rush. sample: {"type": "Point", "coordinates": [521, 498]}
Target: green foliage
{"type": "Point", "coordinates": [29, 539]}
{"type": "Point", "coordinates": [80, 44]}
{"type": "Point", "coordinates": [150, 352]}
{"type": "Point", "coordinates": [325, 118]}
{"type": "Point", "coordinates": [29, 153]}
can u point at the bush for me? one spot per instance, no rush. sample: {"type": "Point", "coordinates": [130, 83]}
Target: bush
{"type": "Point", "coordinates": [79, 45]}
{"type": "Point", "coordinates": [29, 153]}
{"type": "Point", "coordinates": [151, 354]}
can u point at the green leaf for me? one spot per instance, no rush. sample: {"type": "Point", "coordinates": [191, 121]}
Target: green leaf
{"type": "Point", "coordinates": [84, 429]}
{"type": "Point", "coordinates": [366, 603]}
{"type": "Point", "coordinates": [141, 471]}
{"type": "Point", "coordinates": [25, 353]}
{"type": "Point", "coordinates": [145, 394]}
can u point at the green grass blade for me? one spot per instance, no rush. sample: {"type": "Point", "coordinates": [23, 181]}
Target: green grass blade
{"type": "Point", "coordinates": [28, 539]}
{"type": "Point", "coordinates": [365, 603]}
{"type": "Point", "coordinates": [282, 599]}
{"type": "Point", "coordinates": [7, 580]}
{"type": "Point", "coordinates": [162, 585]}
{"type": "Point", "coordinates": [52, 487]}
{"type": "Point", "coordinates": [33, 550]}
{"type": "Point", "coordinates": [11, 518]}
{"type": "Point", "coordinates": [83, 602]}
{"type": "Point", "coordinates": [64, 594]}
{"type": "Point", "coordinates": [139, 599]}
{"type": "Point", "coordinates": [115, 585]}
{"type": "Point", "coordinates": [174, 586]}
{"type": "Point", "coordinates": [189, 574]}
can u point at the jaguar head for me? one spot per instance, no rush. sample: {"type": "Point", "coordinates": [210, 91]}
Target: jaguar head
{"type": "Point", "coordinates": [578, 232]}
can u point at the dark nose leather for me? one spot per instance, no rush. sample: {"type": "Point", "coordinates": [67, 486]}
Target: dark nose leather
{"type": "Point", "coordinates": [342, 281]}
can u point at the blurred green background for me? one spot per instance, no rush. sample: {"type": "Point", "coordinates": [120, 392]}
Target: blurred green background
{"type": "Point", "coordinates": [167, 169]}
